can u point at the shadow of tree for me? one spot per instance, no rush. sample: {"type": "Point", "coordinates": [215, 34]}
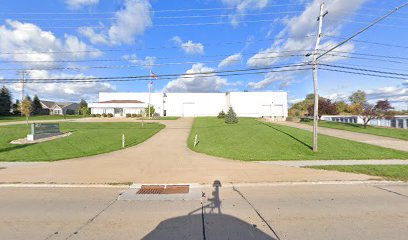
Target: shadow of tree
{"type": "Point", "coordinates": [15, 147]}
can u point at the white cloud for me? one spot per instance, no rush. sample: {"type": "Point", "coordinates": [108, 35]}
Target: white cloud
{"type": "Point", "coordinates": [230, 60]}
{"type": "Point", "coordinates": [62, 90]}
{"type": "Point", "coordinates": [131, 21]}
{"type": "Point", "coordinates": [77, 4]}
{"type": "Point", "coordinates": [270, 78]}
{"type": "Point", "coordinates": [243, 6]}
{"type": "Point", "coordinates": [19, 38]}
{"type": "Point", "coordinates": [147, 62]}
{"type": "Point", "coordinates": [195, 83]}
{"type": "Point", "coordinates": [297, 45]}
{"type": "Point", "coordinates": [189, 47]}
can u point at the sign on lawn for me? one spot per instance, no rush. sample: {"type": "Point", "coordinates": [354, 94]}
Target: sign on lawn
{"type": "Point", "coordinates": [44, 128]}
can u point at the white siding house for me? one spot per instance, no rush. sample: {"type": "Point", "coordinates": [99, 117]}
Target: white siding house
{"type": "Point", "coordinates": [245, 104]}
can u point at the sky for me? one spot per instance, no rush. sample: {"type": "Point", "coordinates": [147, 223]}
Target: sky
{"type": "Point", "coordinates": [53, 39]}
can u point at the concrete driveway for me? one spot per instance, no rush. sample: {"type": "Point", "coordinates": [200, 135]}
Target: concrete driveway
{"type": "Point", "coordinates": [164, 158]}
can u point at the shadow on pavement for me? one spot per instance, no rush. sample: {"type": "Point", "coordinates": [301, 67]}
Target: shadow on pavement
{"type": "Point", "coordinates": [210, 224]}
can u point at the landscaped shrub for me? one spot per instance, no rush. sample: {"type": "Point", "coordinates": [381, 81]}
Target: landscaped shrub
{"type": "Point", "coordinates": [231, 117]}
{"type": "Point", "coordinates": [98, 115]}
{"type": "Point", "coordinates": [128, 115]}
{"type": "Point", "coordinates": [139, 115]}
{"type": "Point", "coordinates": [221, 114]}
{"type": "Point", "coordinates": [93, 115]}
{"type": "Point", "coordinates": [104, 115]}
{"type": "Point", "coordinates": [134, 115]}
{"type": "Point", "coordinates": [110, 115]}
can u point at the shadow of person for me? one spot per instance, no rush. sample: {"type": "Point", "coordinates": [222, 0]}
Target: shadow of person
{"type": "Point", "coordinates": [210, 224]}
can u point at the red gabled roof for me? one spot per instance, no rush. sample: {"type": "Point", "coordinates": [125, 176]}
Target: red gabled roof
{"type": "Point", "coordinates": [122, 101]}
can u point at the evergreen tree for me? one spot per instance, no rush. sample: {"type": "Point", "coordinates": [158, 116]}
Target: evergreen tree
{"type": "Point", "coordinates": [83, 104]}
{"type": "Point", "coordinates": [5, 101]}
{"type": "Point", "coordinates": [221, 114]}
{"type": "Point", "coordinates": [36, 106]}
{"type": "Point", "coordinates": [15, 108]}
{"type": "Point", "coordinates": [231, 117]}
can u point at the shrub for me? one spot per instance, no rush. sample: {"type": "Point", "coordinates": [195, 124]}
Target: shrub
{"type": "Point", "coordinates": [221, 114]}
{"type": "Point", "coordinates": [134, 115]}
{"type": "Point", "coordinates": [128, 115]}
{"type": "Point", "coordinates": [231, 117]}
{"type": "Point", "coordinates": [93, 115]}
{"type": "Point", "coordinates": [98, 115]}
{"type": "Point", "coordinates": [139, 115]}
{"type": "Point", "coordinates": [110, 115]}
{"type": "Point", "coordinates": [104, 115]}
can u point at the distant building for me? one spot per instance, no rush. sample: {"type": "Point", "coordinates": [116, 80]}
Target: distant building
{"type": "Point", "coordinates": [245, 104]}
{"type": "Point", "coordinates": [60, 108]}
{"type": "Point", "coordinates": [398, 121]}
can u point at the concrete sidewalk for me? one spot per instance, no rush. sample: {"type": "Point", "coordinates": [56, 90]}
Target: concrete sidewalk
{"type": "Point", "coordinates": [335, 162]}
{"type": "Point", "coordinates": [386, 142]}
{"type": "Point", "coordinates": [358, 211]}
{"type": "Point", "coordinates": [164, 158]}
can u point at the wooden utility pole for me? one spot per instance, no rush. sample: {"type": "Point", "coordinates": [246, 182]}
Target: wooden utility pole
{"type": "Point", "coordinates": [315, 83]}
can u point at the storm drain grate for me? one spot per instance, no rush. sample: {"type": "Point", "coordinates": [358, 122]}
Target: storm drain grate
{"type": "Point", "coordinates": [163, 189]}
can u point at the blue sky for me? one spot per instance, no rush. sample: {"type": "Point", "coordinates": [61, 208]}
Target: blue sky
{"type": "Point", "coordinates": [128, 36]}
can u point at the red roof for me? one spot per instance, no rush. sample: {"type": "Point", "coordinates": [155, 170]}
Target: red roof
{"type": "Point", "coordinates": [122, 101]}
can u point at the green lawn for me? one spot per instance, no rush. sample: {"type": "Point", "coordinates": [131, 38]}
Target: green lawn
{"type": "Point", "coordinates": [86, 139]}
{"type": "Point", "coordinates": [380, 131]}
{"type": "Point", "coordinates": [253, 140]}
{"type": "Point", "coordinates": [42, 117]}
{"type": "Point", "coordinates": [391, 172]}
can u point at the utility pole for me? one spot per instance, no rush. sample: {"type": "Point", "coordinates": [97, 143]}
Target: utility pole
{"type": "Point", "coordinates": [150, 87]}
{"type": "Point", "coordinates": [22, 75]}
{"type": "Point", "coordinates": [315, 82]}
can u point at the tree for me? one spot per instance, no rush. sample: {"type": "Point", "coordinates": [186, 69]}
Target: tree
{"type": "Point", "coordinates": [342, 107]}
{"type": "Point", "coordinates": [368, 112]}
{"type": "Point", "coordinates": [83, 104]}
{"type": "Point", "coordinates": [83, 107]}
{"type": "Point", "coordinates": [358, 97]}
{"type": "Point", "coordinates": [36, 106]}
{"type": "Point", "coordinates": [326, 107]}
{"type": "Point", "coordinates": [15, 108]}
{"type": "Point", "coordinates": [26, 106]}
{"type": "Point", "coordinates": [5, 101]}
{"type": "Point", "coordinates": [221, 114]}
{"type": "Point", "coordinates": [152, 111]}
{"type": "Point", "coordinates": [231, 117]}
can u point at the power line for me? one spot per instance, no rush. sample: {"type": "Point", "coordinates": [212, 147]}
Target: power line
{"type": "Point", "coordinates": [363, 30]}
{"type": "Point", "coordinates": [159, 76]}
{"type": "Point", "coordinates": [369, 42]}
{"type": "Point", "coordinates": [161, 17]}
{"type": "Point", "coordinates": [152, 11]}
{"type": "Point", "coordinates": [360, 73]}
{"type": "Point", "coordinates": [365, 70]}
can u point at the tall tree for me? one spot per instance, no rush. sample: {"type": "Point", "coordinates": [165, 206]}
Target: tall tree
{"type": "Point", "coordinates": [368, 112]}
{"type": "Point", "coordinates": [36, 106]}
{"type": "Point", "coordinates": [5, 101]}
{"type": "Point", "coordinates": [15, 108]}
{"type": "Point", "coordinates": [83, 103]}
{"type": "Point", "coordinates": [326, 107]}
{"type": "Point", "coordinates": [358, 97]}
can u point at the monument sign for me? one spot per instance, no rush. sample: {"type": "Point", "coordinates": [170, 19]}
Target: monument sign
{"type": "Point", "coordinates": [43, 130]}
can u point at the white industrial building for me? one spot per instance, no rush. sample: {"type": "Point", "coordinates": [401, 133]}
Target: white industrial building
{"type": "Point", "coordinates": [245, 104]}
{"type": "Point", "coordinates": [398, 121]}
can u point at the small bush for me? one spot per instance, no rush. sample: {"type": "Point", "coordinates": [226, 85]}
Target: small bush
{"type": "Point", "coordinates": [139, 115]}
{"type": "Point", "coordinates": [134, 115]}
{"type": "Point", "coordinates": [93, 115]}
{"type": "Point", "coordinates": [128, 115]}
{"type": "Point", "coordinates": [221, 114]}
{"type": "Point", "coordinates": [110, 115]}
{"type": "Point", "coordinates": [104, 115]}
{"type": "Point", "coordinates": [98, 115]}
{"type": "Point", "coordinates": [231, 117]}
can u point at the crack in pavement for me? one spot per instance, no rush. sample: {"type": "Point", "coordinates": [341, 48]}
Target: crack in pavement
{"type": "Point", "coordinates": [390, 191]}
{"type": "Point", "coordinates": [257, 212]}
{"type": "Point", "coordinates": [92, 219]}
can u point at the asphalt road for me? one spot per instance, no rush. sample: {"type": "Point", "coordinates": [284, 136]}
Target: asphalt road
{"type": "Point", "coordinates": [259, 211]}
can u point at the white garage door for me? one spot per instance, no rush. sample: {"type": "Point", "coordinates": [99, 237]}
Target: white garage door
{"type": "Point", "coordinates": [188, 109]}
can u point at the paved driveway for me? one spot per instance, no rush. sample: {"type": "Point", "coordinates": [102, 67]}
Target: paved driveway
{"type": "Point", "coordinates": [164, 158]}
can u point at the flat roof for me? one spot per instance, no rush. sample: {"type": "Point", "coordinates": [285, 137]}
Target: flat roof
{"type": "Point", "coordinates": [122, 101]}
